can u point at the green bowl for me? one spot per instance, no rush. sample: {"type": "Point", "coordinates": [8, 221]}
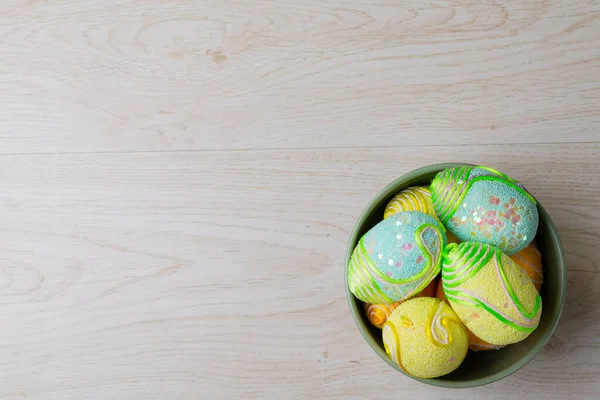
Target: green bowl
{"type": "Point", "coordinates": [479, 368]}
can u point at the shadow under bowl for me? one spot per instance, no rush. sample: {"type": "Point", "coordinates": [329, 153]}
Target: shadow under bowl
{"type": "Point", "coordinates": [483, 367]}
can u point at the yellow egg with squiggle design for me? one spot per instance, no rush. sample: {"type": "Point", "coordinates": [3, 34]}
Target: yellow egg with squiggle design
{"type": "Point", "coordinates": [492, 296]}
{"type": "Point", "coordinates": [425, 338]}
{"type": "Point", "coordinates": [416, 198]}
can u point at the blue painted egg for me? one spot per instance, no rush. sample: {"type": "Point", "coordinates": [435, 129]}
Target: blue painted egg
{"type": "Point", "coordinates": [397, 258]}
{"type": "Point", "coordinates": [483, 205]}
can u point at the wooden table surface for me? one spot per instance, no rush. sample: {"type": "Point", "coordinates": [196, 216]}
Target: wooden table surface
{"type": "Point", "coordinates": [180, 178]}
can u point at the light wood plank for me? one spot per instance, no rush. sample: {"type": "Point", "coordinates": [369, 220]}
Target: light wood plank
{"type": "Point", "coordinates": [120, 75]}
{"type": "Point", "coordinates": [220, 274]}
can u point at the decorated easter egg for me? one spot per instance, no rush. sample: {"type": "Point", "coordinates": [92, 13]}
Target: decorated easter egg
{"type": "Point", "coordinates": [530, 261]}
{"type": "Point", "coordinates": [491, 294]}
{"type": "Point", "coordinates": [475, 343]}
{"type": "Point", "coordinates": [416, 198]}
{"type": "Point", "coordinates": [425, 338]}
{"type": "Point", "coordinates": [397, 258]}
{"type": "Point", "coordinates": [377, 314]}
{"type": "Point", "coordinates": [483, 205]}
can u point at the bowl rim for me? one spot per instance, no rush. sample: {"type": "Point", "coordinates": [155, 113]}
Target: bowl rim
{"type": "Point", "coordinates": [408, 180]}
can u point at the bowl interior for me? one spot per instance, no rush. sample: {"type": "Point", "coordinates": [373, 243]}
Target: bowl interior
{"type": "Point", "coordinates": [479, 368]}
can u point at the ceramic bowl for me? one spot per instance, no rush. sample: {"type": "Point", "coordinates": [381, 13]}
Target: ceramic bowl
{"type": "Point", "coordinates": [483, 367]}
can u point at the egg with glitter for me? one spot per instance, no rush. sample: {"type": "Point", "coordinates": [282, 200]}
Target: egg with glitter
{"type": "Point", "coordinates": [397, 258]}
{"type": "Point", "coordinates": [483, 205]}
{"type": "Point", "coordinates": [416, 198]}
{"type": "Point", "coordinates": [491, 294]}
{"type": "Point", "coordinates": [425, 338]}
{"type": "Point", "coordinates": [530, 261]}
{"type": "Point", "coordinates": [475, 343]}
{"type": "Point", "coordinates": [377, 314]}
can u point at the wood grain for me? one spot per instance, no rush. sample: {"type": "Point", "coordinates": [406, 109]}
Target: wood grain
{"type": "Point", "coordinates": [132, 75]}
{"type": "Point", "coordinates": [180, 178]}
{"type": "Point", "coordinates": [186, 275]}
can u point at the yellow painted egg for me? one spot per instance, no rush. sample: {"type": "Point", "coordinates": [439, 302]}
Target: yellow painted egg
{"type": "Point", "coordinates": [377, 314]}
{"type": "Point", "coordinates": [475, 343]}
{"type": "Point", "coordinates": [416, 198]}
{"type": "Point", "coordinates": [530, 260]}
{"type": "Point", "coordinates": [425, 338]}
{"type": "Point", "coordinates": [491, 294]}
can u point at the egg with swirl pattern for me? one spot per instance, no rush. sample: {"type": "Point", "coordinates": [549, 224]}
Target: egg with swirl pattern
{"type": "Point", "coordinates": [481, 204]}
{"type": "Point", "coordinates": [491, 294]}
{"type": "Point", "coordinates": [416, 198]}
{"type": "Point", "coordinates": [397, 258]}
{"type": "Point", "coordinates": [475, 343]}
{"type": "Point", "coordinates": [425, 338]}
